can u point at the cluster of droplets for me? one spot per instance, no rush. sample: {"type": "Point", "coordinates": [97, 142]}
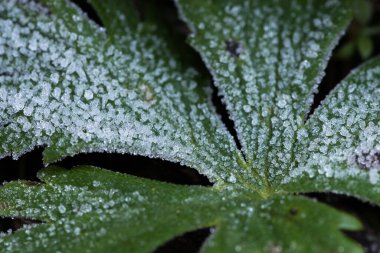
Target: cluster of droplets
{"type": "Point", "coordinates": [67, 87]}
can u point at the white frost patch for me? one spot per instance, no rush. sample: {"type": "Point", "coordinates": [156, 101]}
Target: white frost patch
{"type": "Point", "coordinates": [88, 94]}
{"type": "Point", "coordinates": [373, 176]}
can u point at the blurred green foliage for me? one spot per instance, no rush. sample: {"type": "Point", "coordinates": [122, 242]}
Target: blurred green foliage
{"type": "Point", "coordinates": [361, 33]}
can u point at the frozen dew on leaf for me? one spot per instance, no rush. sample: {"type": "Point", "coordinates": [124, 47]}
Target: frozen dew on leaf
{"type": "Point", "coordinates": [267, 63]}
{"type": "Point", "coordinates": [74, 87]}
{"type": "Point", "coordinates": [83, 93]}
{"type": "Point", "coordinates": [62, 209]}
{"type": "Point", "coordinates": [107, 97]}
{"type": "Point", "coordinates": [343, 134]}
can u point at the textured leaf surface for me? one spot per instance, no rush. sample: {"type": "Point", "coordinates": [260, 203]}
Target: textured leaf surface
{"type": "Point", "coordinates": [267, 58]}
{"type": "Point", "coordinates": [65, 85]}
{"type": "Point", "coordinates": [87, 209]}
{"type": "Point", "coordinates": [339, 148]}
{"type": "Point", "coordinates": [74, 87]}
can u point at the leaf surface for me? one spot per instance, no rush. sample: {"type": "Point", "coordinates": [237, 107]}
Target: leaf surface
{"type": "Point", "coordinates": [87, 209]}
{"type": "Point", "coordinates": [67, 86]}
{"type": "Point", "coordinates": [267, 58]}
{"type": "Point", "coordinates": [339, 148]}
{"type": "Point", "coordinates": [73, 86]}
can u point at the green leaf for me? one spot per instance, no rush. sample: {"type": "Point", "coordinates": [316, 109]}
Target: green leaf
{"type": "Point", "coordinates": [91, 210]}
{"type": "Point", "coordinates": [347, 50]}
{"type": "Point", "coordinates": [365, 46]}
{"type": "Point", "coordinates": [83, 93]}
{"type": "Point", "coordinates": [362, 11]}
{"type": "Point", "coordinates": [75, 87]}
{"type": "Point", "coordinates": [338, 150]}
{"type": "Point", "coordinates": [87, 209]}
{"type": "Point", "coordinates": [267, 58]}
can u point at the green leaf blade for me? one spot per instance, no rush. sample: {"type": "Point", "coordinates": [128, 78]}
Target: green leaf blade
{"type": "Point", "coordinates": [339, 145]}
{"type": "Point", "coordinates": [75, 87]}
{"type": "Point", "coordinates": [266, 58]}
{"type": "Point", "coordinates": [88, 209]}
{"type": "Point", "coordinates": [85, 94]}
{"type": "Point", "coordinates": [279, 225]}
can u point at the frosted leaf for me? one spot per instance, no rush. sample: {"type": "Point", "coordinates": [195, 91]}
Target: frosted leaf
{"type": "Point", "coordinates": [267, 62]}
{"type": "Point", "coordinates": [75, 87]}
{"type": "Point", "coordinates": [341, 147]}
{"type": "Point", "coordinates": [84, 94]}
{"type": "Point", "coordinates": [130, 214]}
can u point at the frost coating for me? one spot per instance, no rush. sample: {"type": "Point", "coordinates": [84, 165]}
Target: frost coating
{"type": "Point", "coordinates": [132, 113]}
{"type": "Point", "coordinates": [70, 88]}
{"type": "Point", "coordinates": [267, 58]}
{"type": "Point", "coordinates": [67, 87]}
{"type": "Point", "coordinates": [342, 138]}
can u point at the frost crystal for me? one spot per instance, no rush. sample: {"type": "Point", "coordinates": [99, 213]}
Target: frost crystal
{"type": "Point", "coordinates": [62, 209]}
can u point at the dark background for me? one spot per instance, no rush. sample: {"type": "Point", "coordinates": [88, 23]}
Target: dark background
{"type": "Point", "coordinates": [339, 66]}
